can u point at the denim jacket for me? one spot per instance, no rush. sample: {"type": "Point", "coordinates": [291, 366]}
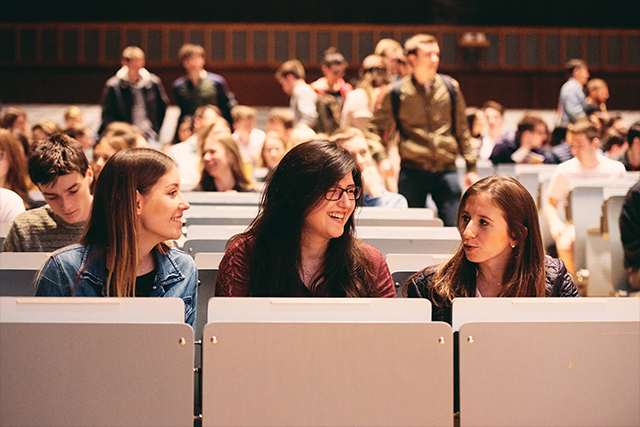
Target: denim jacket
{"type": "Point", "coordinates": [176, 276]}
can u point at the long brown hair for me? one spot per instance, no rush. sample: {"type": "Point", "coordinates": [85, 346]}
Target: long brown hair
{"type": "Point", "coordinates": [17, 178]}
{"type": "Point", "coordinates": [525, 274]}
{"type": "Point", "coordinates": [232, 152]}
{"type": "Point", "coordinates": [299, 183]}
{"type": "Point", "coordinates": [113, 226]}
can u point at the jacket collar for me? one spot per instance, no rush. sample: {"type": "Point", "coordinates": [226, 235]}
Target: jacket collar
{"type": "Point", "coordinates": [167, 271]}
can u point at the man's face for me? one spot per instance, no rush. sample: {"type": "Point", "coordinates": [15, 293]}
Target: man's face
{"type": "Point", "coordinates": [581, 147]}
{"type": "Point", "coordinates": [581, 74]}
{"type": "Point", "coordinates": [134, 65]}
{"type": "Point", "coordinates": [494, 118]}
{"type": "Point", "coordinates": [333, 73]}
{"type": "Point", "coordinates": [70, 196]}
{"type": "Point", "coordinates": [391, 60]}
{"type": "Point", "coordinates": [245, 124]}
{"type": "Point", "coordinates": [426, 59]}
{"type": "Point", "coordinates": [601, 93]}
{"type": "Point", "coordinates": [193, 63]}
{"type": "Point", "coordinates": [360, 151]}
{"type": "Point", "coordinates": [287, 82]}
{"type": "Point", "coordinates": [539, 135]}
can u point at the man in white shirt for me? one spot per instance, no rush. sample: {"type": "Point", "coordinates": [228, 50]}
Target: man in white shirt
{"type": "Point", "coordinates": [586, 163]}
{"type": "Point", "coordinates": [250, 139]}
{"type": "Point", "coordinates": [291, 76]}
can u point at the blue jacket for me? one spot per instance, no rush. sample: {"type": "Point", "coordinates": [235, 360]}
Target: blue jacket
{"type": "Point", "coordinates": [176, 276]}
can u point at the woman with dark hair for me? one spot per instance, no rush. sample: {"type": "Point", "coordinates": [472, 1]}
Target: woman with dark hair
{"type": "Point", "coordinates": [15, 119]}
{"type": "Point", "coordinates": [103, 151]}
{"type": "Point", "coordinates": [302, 241]}
{"type": "Point", "coordinates": [137, 207]}
{"type": "Point", "coordinates": [221, 161]}
{"type": "Point", "coordinates": [501, 254]}
{"type": "Point", "coordinates": [13, 168]}
{"type": "Point", "coordinates": [184, 129]}
{"type": "Point", "coordinates": [475, 119]}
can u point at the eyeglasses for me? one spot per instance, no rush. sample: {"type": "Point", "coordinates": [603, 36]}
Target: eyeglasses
{"type": "Point", "coordinates": [335, 193]}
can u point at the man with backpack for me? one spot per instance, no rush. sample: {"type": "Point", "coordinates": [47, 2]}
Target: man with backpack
{"type": "Point", "coordinates": [429, 111]}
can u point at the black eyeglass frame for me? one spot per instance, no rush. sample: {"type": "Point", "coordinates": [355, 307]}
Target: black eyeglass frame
{"type": "Point", "coordinates": [351, 191]}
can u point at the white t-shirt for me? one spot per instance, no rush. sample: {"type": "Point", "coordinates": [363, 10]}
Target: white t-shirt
{"type": "Point", "coordinates": [251, 152]}
{"type": "Point", "coordinates": [11, 205]}
{"type": "Point", "coordinates": [185, 154]}
{"type": "Point", "coordinates": [573, 169]}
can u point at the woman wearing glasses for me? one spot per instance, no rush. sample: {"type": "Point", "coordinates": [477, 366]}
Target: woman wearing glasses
{"type": "Point", "coordinates": [302, 242]}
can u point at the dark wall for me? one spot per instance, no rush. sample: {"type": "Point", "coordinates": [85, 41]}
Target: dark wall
{"type": "Point", "coordinates": [539, 13]}
{"type": "Point", "coordinates": [257, 86]}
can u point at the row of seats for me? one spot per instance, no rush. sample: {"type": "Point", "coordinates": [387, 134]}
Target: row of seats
{"type": "Point", "coordinates": [320, 362]}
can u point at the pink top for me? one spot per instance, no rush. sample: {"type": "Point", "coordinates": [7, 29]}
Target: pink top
{"type": "Point", "coordinates": [233, 274]}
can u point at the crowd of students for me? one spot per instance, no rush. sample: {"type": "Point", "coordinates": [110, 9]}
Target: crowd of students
{"type": "Point", "coordinates": [113, 202]}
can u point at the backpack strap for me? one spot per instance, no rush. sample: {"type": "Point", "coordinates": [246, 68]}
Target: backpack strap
{"type": "Point", "coordinates": [448, 82]}
{"type": "Point", "coordinates": [396, 88]}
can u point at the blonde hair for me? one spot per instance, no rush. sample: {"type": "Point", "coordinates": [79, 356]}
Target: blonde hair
{"type": "Point", "coordinates": [293, 67]}
{"type": "Point", "coordinates": [132, 52]}
{"type": "Point", "coordinates": [301, 133]}
{"type": "Point", "coordinates": [240, 112]}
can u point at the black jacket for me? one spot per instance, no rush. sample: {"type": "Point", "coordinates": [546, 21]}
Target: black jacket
{"type": "Point", "coordinates": [630, 227]}
{"type": "Point", "coordinates": [558, 283]}
{"type": "Point", "coordinates": [117, 101]}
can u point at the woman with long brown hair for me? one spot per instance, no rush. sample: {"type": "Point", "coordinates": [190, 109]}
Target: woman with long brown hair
{"type": "Point", "coordinates": [13, 167]}
{"type": "Point", "coordinates": [302, 243]}
{"type": "Point", "coordinates": [137, 207]}
{"type": "Point", "coordinates": [221, 162]}
{"type": "Point", "coordinates": [501, 254]}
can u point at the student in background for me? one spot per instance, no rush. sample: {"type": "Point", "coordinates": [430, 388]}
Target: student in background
{"type": "Point", "coordinates": [280, 120]}
{"type": "Point", "coordinates": [11, 206]}
{"type": "Point", "coordinates": [273, 150]}
{"type": "Point", "coordinates": [200, 87]}
{"type": "Point", "coordinates": [103, 151]}
{"type": "Point", "coordinates": [73, 117]}
{"type": "Point", "coordinates": [222, 167]}
{"type": "Point", "coordinates": [302, 242]}
{"type": "Point", "coordinates": [138, 206]}
{"type": "Point", "coordinates": [586, 163]}
{"type": "Point", "coordinates": [185, 153]}
{"type": "Point", "coordinates": [375, 194]}
{"type": "Point", "coordinates": [631, 157]}
{"type": "Point", "coordinates": [43, 130]}
{"type": "Point", "coordinates": [501, 254]}
{"type": "Point", "coordinates": [249, 138]}
{"type": "Point", "coordinates": [630, 234]}
{"type": "Point", "coordinates": [13, 167]}
{"type": "Point", "coordinates": [291, 76]}
{"type": "Point", "coordinates": [526, 146]}
{"type": "Point", "coordinates": [59, 168]}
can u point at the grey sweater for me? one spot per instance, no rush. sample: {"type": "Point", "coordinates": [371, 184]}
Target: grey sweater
{"type": "Point", "coordinates": [41, 230]}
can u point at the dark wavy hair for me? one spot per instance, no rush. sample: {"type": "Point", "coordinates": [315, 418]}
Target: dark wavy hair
{"type": "Point", "coordinates": [299, 184]}
{"type": "Point", "coordinates": [525, 274]}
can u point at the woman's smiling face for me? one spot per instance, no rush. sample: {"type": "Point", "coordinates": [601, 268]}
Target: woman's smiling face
{"type": "Point", "coordinates": [326, 221]}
